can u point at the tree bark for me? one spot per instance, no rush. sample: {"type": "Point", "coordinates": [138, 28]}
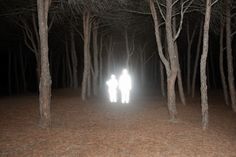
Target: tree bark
{"type": "Point", "coordinates": [95, 58]}
{"type": "Point", "coordinates": [163, 89]}
{"type": "Point", "coordinates": [230, 56]}
{"type": "Point", "coordinates": [9, 73]}
{"type": "Point", "coordinates": [173, 62]}
{"type": "Point", "coordinates": [179, 75]}
{"type": "Point", "coordinates": [101, 63]}
{"type": "Point", "coordinates": [196, 63]}
{"type": "Point", "coordinates": [74, 60]}
{"type": "Point", "coordinates": [22, 67]}
{"type": "Point", "coordinates": [86, 72]}
{"type": "Point", "coordinates": [190, 42]}
{"type": "Point", "coordinates": [68, 63]}
{"type": "Point", "coordinates": [45, 77]}
{"type": "Point", "coordinates": [171, 73]}
{"type": "Point", "coordinates": [204, 97]}
{"type": "Point", "coordinates": [221, 65]}
{"type": "Point", "coordinates": [16, 73]}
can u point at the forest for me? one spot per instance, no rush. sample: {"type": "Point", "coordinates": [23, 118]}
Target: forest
{"type": "Point", "coordinates": [56, 56]}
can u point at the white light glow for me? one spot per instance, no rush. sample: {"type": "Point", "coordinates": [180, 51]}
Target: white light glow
{"type": "Point", "coordinates": [112, 84]}
{"type": "Point", "coordinates": [125, 85]}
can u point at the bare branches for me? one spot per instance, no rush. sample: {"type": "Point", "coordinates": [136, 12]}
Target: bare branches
{"type": "Point", "coordinates": [183, 11]}
{"type": "Point", "coordinates": [213, 3]}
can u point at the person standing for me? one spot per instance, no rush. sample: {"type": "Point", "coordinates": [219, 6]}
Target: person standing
{"type": "Point", "coordinates": [112, 84]}
{"type": "Point", "coordinates": [125, 86]}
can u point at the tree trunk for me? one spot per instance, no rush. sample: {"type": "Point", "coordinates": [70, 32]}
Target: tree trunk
{"type": "Point", "coordinates": [86, 72]}
{"type": "Point", "coordinates": [95, 58]}
{"type": "Point", "coordinates": [163, 89]}
{"type": "Point", "coordinates": [9, 73]}
{"type": "Point", "coordinates": [230, 56]}
{"type": "Point", "coordinates": [109, 50]}
{"type": "Point", "coordinates": [171, 75]}
{"type": "Point", "coordinates": [173, 62]}
{"type": "Point", "coordinates": [179, 75]}
{"type": "Point", "coordinates": [68, 63]}
{"type": "Point", "coordinates": [196, 63]}
{"type": "Point", "coordinates": [22, 67]}
{"type": "Point", "coordinates": [16, 73]}
{"type": "Point", "coordinates": [127, 48]}
{"type": "Point", "coordinates": [74, 60]}
{"type": "Point", "coordinates": [221, 61]}
{"type": "Point", "coordinates": [45, 78]}
{"type": "Point", "coordinates": [101, 64]}
{"type": "Point", "coordinates": [190, 43]}
{"type": "Point", "coordinates": [204, 98]}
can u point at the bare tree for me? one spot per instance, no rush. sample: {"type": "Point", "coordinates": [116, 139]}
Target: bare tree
{"type": "Point", "coordinates": [95, 57]}
{"type": "Point", "coordinates": [221, 63]}
{"type": "Point", "coordinates": [230, 56]}
{"type": "Point", "coordinates": [172, 109]}
{"type": "Point", "coordinates": [87, 61]}
{"type": "Point", "coordinates": [190, 38]}
{"type": "Point", "coordinates": [74, 60]}
{"type": "Point", "coordinates": [45, 77]}
{"type": "Point", "coordinates": [196, 62]}
{"type": "Point", "coordinates": [204, 97]}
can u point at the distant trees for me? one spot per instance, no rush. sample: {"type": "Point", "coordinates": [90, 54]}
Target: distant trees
{"type": "Point", "coordinates": [168, 18]}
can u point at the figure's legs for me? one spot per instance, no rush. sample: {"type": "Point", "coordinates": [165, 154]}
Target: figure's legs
{"type": "Point", "coordinates": [115, 96]}
{"type": "Point", "coordinates": [127, 97]}
{"type": "Point", "coordinates": [111, 95]}
{"type": "Point", "coordinates": [122, 96]}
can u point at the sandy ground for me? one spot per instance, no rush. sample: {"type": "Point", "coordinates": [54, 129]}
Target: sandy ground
{"type": "Point", "coordinates": [99, 129]}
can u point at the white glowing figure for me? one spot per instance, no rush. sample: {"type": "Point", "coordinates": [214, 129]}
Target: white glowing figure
{"type": "Point", "coordinates": [125, 86]}
{"type": "Point", "coordinates": [112, 84]}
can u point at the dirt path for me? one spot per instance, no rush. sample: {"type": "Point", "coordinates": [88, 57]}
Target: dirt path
{"type": "Point", "coordinates": [97, 128]}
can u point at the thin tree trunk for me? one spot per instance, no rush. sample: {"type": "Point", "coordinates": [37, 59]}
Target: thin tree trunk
{"type": "Point", "coordinates": [74, 60]}
{"type": "Point", "coordinates": [9, 73]}
{"type": "Point", "coordinates": [142, 69]}
{"type": "Point", "coordinates": [163, 89]}
{"type": "Point", "coordinates": [45, 77]}
{"type": "Point", "coordinates": [196, 63]}
{"type": "Point", "coordinates": [190, 43]}
{"type": "Point", "coordinates": [179, 76]}
{"type": "Point", "coordinates": [230, 56]}
{"type": "Point", "coordinates": [95, 58]}
{"type": "Point", "coordinates": [68, 63]}
{"type": "Point", "coordinates": [127, 48]}
{"type": "Point", "coordinates": [109, 56]}
{"type": "Point", "coordinates": [86, 72]}
{"type": "Point", "coordinates": [180, 82]}
{"type": "Point", "coordinates": [64, 77]}
{"type": "Point", "coordinates": [221, 61]}
{"type": "Point", "coordinates": [16, 73]}
{"type": "Point", "coordinates": [22, 67]}
{"type": "Point", "coordinates": [204, 97]}
{"type": "Point", "coordinates": [101, 63]}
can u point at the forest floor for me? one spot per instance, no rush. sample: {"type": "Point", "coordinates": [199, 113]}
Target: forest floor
{"type": "Point", "coordinates": [97, 128]}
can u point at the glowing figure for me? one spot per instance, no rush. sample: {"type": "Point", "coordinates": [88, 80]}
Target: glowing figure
{"type": "Point", "coordinates": [125, 86]}
{"type": "Point", "coordinates": [112, 84]}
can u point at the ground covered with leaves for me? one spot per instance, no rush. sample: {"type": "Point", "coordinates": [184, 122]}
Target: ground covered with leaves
{"type": "Point", "coordinates": [97, 128]}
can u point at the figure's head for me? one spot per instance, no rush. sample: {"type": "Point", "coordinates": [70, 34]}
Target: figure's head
{"type": "Point", "coordinates": [113, 76]}
{"type": "Point", "coordinates": [125, 71]}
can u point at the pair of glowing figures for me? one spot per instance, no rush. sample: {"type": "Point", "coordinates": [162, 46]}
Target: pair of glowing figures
{"type": "Point", "coordinates": [124, 84]}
